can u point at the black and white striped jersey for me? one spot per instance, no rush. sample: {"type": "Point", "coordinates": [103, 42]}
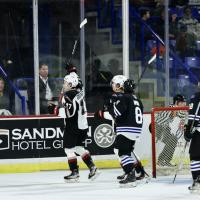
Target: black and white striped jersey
{"type": "Point", "coordinates": [75, 109]}
{"type": "Point", "coordinates": [163, 118]}
{"type": "Point", "coordinates": [127, 111]}
{"type": "Point", "coordinates": [169, 123]}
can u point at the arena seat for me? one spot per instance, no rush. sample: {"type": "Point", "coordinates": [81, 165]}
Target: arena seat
{"type": "Point", "coordinates": [192, 62]}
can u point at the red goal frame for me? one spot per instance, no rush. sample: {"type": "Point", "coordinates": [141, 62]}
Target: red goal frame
{"type": "Point", "coordinates": [153, 131]}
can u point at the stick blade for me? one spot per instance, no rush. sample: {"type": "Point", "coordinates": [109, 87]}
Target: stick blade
{"type": "Point", "coordinates": [83, 23]}
{"type": "Point", "coordinates": [152, 59]}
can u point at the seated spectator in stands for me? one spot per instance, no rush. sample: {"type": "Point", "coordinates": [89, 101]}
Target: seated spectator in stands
{"type": "Point", "coordinates": [186, 43]}
{"type": "Point", "coordinates": [46, 89]}
{"type": "Point", "coordinates": [5, 108]}
{"type": "Point", "coordinates": [193, 26]}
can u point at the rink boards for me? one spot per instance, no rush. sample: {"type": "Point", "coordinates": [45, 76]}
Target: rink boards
{"type": "Point", "coordinates": [36, 143]}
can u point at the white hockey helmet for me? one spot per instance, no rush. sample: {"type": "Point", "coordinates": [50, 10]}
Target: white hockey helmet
{"type": "Point", "coordinates": [70, 82]}
{"type": "Point", "coordinates": [118, 81]}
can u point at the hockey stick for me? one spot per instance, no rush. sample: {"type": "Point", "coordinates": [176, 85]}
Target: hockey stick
{"type": "Point", "coordinates": [82, 24]}
{"type": "Point", "coordinates": [145, 68]}
{"type": "Point", "coordinates": [183, 151]}
{"type": "Point", "coordinates": [181, 161]}
{"type": "Point", "coordinates": [152, 59]}
{"type": "Point", "coordinates": [138, 161]}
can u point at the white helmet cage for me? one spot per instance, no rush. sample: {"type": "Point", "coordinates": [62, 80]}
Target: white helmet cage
{"type": "Point", "coordinates": [70, 82]}
{"type": "Point", "coordinates": [118, 80]}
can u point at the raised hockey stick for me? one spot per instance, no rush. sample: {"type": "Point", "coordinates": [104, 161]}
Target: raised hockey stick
{"type": "Point", "coordinates": [82, 24]}
{"type": "Point", "coordinates": [145, 68]}
{"type": "Point", "coordinates": [152, 59]}
{"type": "Point", "coordinates": [183, 151]}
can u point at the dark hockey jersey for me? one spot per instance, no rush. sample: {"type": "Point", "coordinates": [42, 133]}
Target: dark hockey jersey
{"type": "Point", "coordinates": [75, 109]}
{"type": "Point", "coordinates": [194, 112]}
{"type": "Point", "coordinates": [127, 112]}
{"type": "Point", "coordinates": [194, 126]}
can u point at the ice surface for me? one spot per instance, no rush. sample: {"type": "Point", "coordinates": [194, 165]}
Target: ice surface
{"type": "Point", "coordinates": [49, 185]}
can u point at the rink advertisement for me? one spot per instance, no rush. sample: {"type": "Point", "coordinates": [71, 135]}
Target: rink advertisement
{"type": "Point", "coordinates": [43, 137]}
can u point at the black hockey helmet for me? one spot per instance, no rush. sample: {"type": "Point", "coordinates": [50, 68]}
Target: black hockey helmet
{"type": "Point", "coordinates": [179, 98]}
{"type": "Point", "coordinates": [129, 86]}
{"type": "Point", "coordinates": [70, 68]}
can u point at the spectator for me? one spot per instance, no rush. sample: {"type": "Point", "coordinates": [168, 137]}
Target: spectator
{"type": "Point", "coordinates": [4, 100]}
{"type": "Point", "coordinates": [186, 43]}
{"type": "Point", "coordinates": [173, 26]}
{"type": "Point", "coordinates": [191, 23]}
{"type": "Point", "coordinates": [160, 30]}
{"type": "Point", "coordinates": [142, 34]}
{"type": "Point", "coordinates": [46, 88]}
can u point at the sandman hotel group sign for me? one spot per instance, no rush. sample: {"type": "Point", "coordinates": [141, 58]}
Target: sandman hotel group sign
{"type": "Point", "coordinates": [43, 137]}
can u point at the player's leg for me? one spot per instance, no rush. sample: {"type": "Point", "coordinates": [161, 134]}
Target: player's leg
{"type": "Point", "coordinates": [70, 139]}
{"type": "Point", "coordinates": [170, 149]}
{"type": "Point", "coordinates": [124, 146]}
{"type": "Point", "coordinates": [139, 168]}
{"type": "Point", "coordinates": [195, 170]}
{"type": "Point", "coordinates": [195, 161]}
{"type": "Point", "coordinates": [72, 161]}
{"type": "Point", "coordinates": [85, 154]}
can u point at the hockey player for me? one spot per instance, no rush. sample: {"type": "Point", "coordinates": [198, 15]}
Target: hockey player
{"type": "Point", "coordinates": [192, 132]}
{"type": "Point", "coordinates": [163, 120]}
{"type": "Point", "coordinates": [127, 112]}
{"type": "Point", "coordinates": [76, 127]}
{"type": "Point", "coordinates": [129, 88]}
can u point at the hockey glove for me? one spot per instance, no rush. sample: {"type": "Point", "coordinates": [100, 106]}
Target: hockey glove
{"type": "Point", "coordinates": [56, 110]}
{"type": "Point", "coordinates": [51, 107]}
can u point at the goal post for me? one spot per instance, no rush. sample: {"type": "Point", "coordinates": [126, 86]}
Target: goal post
{"type": "Point", "coordinates": [167, 126]}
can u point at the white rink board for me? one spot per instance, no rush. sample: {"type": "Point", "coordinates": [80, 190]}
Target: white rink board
{"type": "Point", "coordinates": [142, 149]}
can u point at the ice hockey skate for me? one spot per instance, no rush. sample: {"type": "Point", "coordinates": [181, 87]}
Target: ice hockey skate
{"type": "Point", "coordinates": [129, 180]}
{"type": "Point", "coordinates": [195, 187]}
{"type": "Point", "coordinates": [73, 177]}
{"type": "Point", "coordinates": [94, 172]}
{"type": "Point", "coordinates": [121, 177]}
{"type": "Point", "coordinates": [140, 177]}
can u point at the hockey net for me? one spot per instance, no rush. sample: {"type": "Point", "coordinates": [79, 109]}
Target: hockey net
{"type": "Point", "coordinates": [169, 148]}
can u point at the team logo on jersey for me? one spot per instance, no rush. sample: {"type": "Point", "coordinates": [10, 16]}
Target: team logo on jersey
{"type": "Point", "coordinates": [4, 139]}
{"type": "Point", "coordinates": [104, 135]}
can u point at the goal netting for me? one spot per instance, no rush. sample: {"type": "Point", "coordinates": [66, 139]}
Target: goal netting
{"type": "Point", "coordinates": [169, 148]}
